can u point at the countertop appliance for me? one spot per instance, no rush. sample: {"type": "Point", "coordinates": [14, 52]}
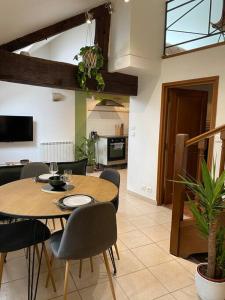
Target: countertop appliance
{"type": "Point", "coordinates": [112, 150]}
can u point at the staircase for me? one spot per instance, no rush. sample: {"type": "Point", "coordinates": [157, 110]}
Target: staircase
{"type": "Point", "coordinates": [185, 238]}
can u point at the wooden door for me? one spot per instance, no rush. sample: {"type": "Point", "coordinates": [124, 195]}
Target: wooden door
{"type": "Point", "coordinates": [186, 114]}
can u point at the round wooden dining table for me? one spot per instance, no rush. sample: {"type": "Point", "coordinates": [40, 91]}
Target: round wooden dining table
{"type": "Point", "coordinates": [25, 198]}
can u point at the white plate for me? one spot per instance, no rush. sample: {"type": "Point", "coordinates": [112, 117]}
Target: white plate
{"type": "Point", "coordinates": [44, 176]}
{"type": "Point", "coordinates": [76, 200]}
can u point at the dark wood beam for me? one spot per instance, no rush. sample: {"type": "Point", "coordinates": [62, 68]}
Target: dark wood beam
{"type": "Point", "coordinates": [41, 72]}
{"type": "Point", "coordinates": [47, 32]}
{"type": "Point", "coordinates": [102, 33]}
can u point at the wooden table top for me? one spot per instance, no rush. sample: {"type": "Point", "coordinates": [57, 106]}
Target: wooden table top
{"type": "Point", "coordinates": [24, 198]}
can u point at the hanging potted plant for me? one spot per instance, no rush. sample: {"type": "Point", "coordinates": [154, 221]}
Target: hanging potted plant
{"type": "Point", "coordinates": [91, 62]}
{"type": "Point", "coordinates": [210, 277]}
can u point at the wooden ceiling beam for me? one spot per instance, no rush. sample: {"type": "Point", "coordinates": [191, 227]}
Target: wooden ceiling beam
{"type": "Point", "coordinates": [99, 13]}
{"type": "Point", "coordinates": [41, 72]}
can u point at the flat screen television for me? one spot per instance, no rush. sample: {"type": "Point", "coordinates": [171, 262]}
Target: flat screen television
{"type": "Point", "coordinates": [16, 128]}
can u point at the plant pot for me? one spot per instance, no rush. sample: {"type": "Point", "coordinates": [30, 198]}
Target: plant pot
{"type": "Point", "coordinates": [209, 289]}
{"type": "Point", "coordinates": [90, 169]}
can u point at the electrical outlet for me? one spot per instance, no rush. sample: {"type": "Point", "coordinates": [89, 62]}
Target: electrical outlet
{"type": "Point", "coordinates": [144, 187]}
{"type": "Point", "coordinates": [149, 189]}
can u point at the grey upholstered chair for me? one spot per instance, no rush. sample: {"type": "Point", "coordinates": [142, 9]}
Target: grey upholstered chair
{"type": "Point", "coordinates": [24, 234]}
{"type": "Point", "coordinates": [114, 177]}
{"type": "Point", "coordinates": [34, 169]}
{"type": "Point", "coordinates": [90, 230]}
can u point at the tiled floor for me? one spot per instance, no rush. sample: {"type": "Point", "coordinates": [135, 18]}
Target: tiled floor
{"type": "Point", "coordinates": [146, 270]}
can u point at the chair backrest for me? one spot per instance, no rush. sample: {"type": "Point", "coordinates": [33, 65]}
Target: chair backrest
{"type": "Point", "coordinates": [33, 170]}
{"type": "Point", "coordinates": [90, 230]}
{"type": "Point", "coordinates": [78, 167]}
{"type": "Point", "coordinates": [114, 177]}
{"type": "Point", "coordinates": [111, 175]}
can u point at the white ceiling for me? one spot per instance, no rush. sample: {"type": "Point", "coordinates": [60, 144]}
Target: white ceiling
{"type": "Point", "coordinates": [20, 17]}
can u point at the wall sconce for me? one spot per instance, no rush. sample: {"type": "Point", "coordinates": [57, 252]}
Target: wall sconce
{"type": "Point", "coordinates": [89, 17]}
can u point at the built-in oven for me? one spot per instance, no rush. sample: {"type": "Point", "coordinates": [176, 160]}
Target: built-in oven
{"type": "Point", "coordinates": [116, 149]}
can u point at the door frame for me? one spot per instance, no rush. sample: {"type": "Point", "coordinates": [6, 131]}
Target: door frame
{"type": "Point", "coordinates": [214, 82]}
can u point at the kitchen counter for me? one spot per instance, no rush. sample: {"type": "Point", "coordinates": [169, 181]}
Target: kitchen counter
{"type": "Point", "coordinates": [113, 136]}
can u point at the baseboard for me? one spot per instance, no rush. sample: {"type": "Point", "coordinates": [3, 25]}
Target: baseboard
{"type": "Point", "coordinates": [146, 199]}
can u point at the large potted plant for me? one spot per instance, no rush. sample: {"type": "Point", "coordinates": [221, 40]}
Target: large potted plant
{"type": "Point", "coordinates": [86, 149]}
{"type": "Point", "coordinates": [207, 211]}
{"type": "Point", "coordinates": [91, 62]}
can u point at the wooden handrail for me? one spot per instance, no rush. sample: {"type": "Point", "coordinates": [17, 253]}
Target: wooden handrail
{"type": "Point", "coordinates": [205, 135]}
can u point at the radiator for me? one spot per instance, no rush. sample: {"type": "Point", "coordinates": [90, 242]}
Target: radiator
{"type": "Point", "coordinates": [57, 151]}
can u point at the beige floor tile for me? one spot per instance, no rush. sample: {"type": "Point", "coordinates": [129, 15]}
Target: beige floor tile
{"type": "Point", "coordinates": [134, 239]}
{"type": "Point", "coordinates": [188, 293]}
{"type": "Point", "coordinates": [190, 266]}
{"type": "Point", "coordinates": [128, 263]}
{"type": "Point", "coordinates": [165, 245]}
{"type": "Point", "coordinates": [120, 245]}
{"type": "Point", "coordinates": [163, 219]}
{"type": "Point", "coordinates": [167, 226]}
{"type": "Point", "coordinates": [124, 226]}
{"type": "Point", "coordinates": [151, 255]}
{"type": "Point", "coordinates": [15, 268]}
{"type": "Point", "coordinates": [172, 275]}
{"type": "Point", "coordinates": [156, 233]}
{"type": "Point", "coordinates": [142, 221]}
{"type": "Point", "coordinates": [141, 285]}
{"type": "Point", "coordinates": [102, 291]}
{"type": "Point", "coordinates": [18, 289]}
{"type": "Point", "coordinates": [89, 278]}
{"type": "Point", "coordinates": [70, 296]}
{"type": "Point", "coordinates": [15, 254]}
{"type": "Point", "coordinates": [166, 297]}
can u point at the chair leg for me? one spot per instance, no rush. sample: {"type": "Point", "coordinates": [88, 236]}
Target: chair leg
{"type": "Point", "coordinates": [91, 263]}
{"type": "Point", "coordinates": [117, 251]}
{"type": "Point", "coordinates": [49, 267]}
{"type": "Point", "coordinates": [48, 276]}
{"type": "Point", "coordinates": [80, 268]}
{"type": "Point", "coordinates": [37, 252]}
{"type": "Point", "coordinates": [62, 224]}
{"type": "Point", "coordinates": [109, 274]}
{"type": "Point", "coordinates": [2, 261]}
{"type": "Point", "coordinates": [66, 279]}
{"type": "Point", "coordinates": [53, 223]}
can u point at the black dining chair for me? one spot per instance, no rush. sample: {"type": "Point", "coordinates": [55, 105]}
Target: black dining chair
{"type": "Point", "coordinates": [34, 169]}
{"type": "Point", "coordinates": [78, 167]}
{"type": "Point", "coordinates": [21, 235]}
{"type": "Point", "coordinates": [90, 230]}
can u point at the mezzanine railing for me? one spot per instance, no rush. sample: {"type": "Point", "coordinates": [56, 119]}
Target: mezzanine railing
{"type": "Point", "coordinates": [191, 24]}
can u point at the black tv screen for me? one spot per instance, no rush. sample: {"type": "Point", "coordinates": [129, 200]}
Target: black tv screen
{"type": "Point", "coordinates": [16, 129]}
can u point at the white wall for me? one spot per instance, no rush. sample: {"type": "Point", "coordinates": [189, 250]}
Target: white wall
{"type": "Point", "coordinates": [64, 47]}
{"type": "Point", "coordinates": [145, 111]}
{"type": "Point", "coordinates": [147, 40]}
{"type": "Point", "coordinates": [104, 122]}
{"type": "Point", "coordinates": [53, 121]}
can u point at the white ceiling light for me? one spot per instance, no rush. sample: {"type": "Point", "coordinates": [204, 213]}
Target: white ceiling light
{"type": "Point", "coordinates": [126, 1]}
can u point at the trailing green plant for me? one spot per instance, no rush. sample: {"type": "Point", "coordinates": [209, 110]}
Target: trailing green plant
{"type": "Point", "coordinates": [207, 211]}
{"type": "Point", "coordinates": [91, 62]}
{"type": "Point", "coordinates": [86, 149]}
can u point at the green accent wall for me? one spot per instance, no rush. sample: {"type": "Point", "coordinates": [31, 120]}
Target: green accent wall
{"type": "Point", "coordinates": [81, 110]}
{"type": "Point", "coordinates": [80, 116]}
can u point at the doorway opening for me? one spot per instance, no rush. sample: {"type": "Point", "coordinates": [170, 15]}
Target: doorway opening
{"type": "Point", "coordinates": [187, 107]}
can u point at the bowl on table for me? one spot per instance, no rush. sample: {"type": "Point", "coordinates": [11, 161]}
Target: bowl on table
{"type": "Point", "coordinates": [56, 182]}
